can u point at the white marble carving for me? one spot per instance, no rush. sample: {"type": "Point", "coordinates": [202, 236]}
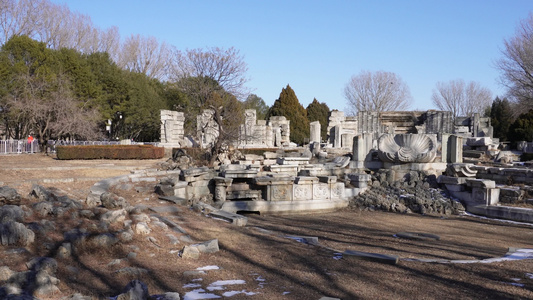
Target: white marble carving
{"type": "Point", "coordinates": [407, 148]}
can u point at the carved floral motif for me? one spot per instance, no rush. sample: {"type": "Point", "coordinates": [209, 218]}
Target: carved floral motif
{"type": "Point", "coordinates": [302, 192]}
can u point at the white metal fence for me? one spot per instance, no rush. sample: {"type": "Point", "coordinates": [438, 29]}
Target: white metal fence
{"type": "Point", "coordinates": [18, 146]}
{"type": "Point", "coordinates": [23, 146]}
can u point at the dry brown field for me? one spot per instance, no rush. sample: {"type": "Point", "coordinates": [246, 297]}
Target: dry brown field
{"type": "Point", "coordinates": [270, 263]}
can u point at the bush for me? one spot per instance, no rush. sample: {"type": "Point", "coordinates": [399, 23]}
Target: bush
{"type": "Point", "coordinates": [110, 152]}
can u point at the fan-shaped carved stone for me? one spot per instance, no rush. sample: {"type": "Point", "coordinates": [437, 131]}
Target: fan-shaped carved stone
{"type": "Point", "coordinates": [407, 148]}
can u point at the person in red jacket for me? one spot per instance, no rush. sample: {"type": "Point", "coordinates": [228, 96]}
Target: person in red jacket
{"type": "Point", "coordinates": [30, 143]}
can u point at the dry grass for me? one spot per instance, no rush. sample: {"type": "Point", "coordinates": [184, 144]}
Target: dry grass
{"type": "Point", "coordinates": [276, 267]}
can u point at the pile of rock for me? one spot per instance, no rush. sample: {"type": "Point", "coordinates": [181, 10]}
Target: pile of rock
{"type": "Point", "coordinates": [27, 224]}
{"type": "Point", "coordinates": [415, 193]}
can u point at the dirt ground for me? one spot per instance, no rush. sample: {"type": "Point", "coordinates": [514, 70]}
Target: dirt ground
{"type": "Point", "coordinates": [266, 262]}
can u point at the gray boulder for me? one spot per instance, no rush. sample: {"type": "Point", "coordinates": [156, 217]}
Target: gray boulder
{"type": "Point", "coordinates": [14, 233]}
{"type": "Point", "coordinates": [194, 251]}
{"type": "Point", "coordinates": [41, 193]}
{"type": "Point", "coordinates": [135, 290]}
{"type": "Point", "coordinates": [112, 201]}
{"type": "Point", "coordinates": [9, 195]}
{"type": "Point", "coordinates": [11, 213]}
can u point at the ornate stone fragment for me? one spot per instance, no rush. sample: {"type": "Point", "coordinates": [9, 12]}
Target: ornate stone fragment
{"type": "Point", "coordinates": [407, 148]}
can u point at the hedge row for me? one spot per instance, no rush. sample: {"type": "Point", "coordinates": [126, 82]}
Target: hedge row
{"type": "Point", "coordinates": [110, 152]}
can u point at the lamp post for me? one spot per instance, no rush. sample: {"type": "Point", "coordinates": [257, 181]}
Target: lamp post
{"type": "Point", "coordinates": [119, 125]}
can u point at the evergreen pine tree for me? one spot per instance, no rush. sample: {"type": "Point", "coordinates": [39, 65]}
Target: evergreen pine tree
{"type": "Point", "coordinates": [501, 118]}
{"type": "Point", "coordinates": [522, 128]}
{"type": "Point", "coordinates": [287, 105]}
{"type": "Point", "coordinates": [319, 111]}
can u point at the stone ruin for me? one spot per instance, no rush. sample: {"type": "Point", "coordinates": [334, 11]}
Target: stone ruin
{"type": "Point", "coordinates": [264, 134]}
{"type": "Point", "coordinates": [343, 129]}
{"type": "Point", "coordinates": [253, 133]}
{"type": "Point", "coordinates": [172, 133]}
{"type": "Point", "coordinates": [322, 176]}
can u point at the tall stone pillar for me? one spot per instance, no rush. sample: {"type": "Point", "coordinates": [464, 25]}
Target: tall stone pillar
{"type": "Point", "coordinates": [315, 132]}
{"type": "Point", "coordinates": [455, 149]}
{"type": "Point", "coordinates": [337, 142]}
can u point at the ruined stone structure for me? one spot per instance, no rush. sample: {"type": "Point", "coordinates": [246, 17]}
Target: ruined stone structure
{"type": "Point", "coordinates": [206, 128]}
{"type": "Point", "coordinates": [262, 134]}
{"type": "Point", "coordinates": [343, 129]}
{"type": "Point", "coordinates": [172, 133]}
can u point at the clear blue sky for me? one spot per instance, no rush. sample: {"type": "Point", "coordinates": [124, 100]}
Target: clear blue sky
{"type": "Point", "coordinates": [316, 46]}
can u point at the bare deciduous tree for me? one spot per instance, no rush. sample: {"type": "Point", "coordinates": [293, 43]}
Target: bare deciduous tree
{"type": "Point", "coordinates": [51, 115]}
{"type": "Point", "coordinates": [53, 28]}
{"type": "Point", "coordinates": [516, 64]}
{"type": "Point", "coordinates": [378, 91]}
{"type": "Point", "coordinates": [18, 18]}
{"type": "Point", "coordinates": [227, 67]}
{"type": "Point", "coordinates": [460, 98]}
{"type": "Point", "coordinates": [145, 55]}
{"type": "Point", "coordinates": [109, 42]}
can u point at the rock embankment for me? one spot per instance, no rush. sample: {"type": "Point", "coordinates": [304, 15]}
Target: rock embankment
{"type": "Point", "coordinates": [415, 193]}
{"type": "Point", "coordinates": [49, 230]}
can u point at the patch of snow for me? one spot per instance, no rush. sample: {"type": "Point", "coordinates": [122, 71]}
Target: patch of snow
{"type": "Point", "coordinates": [191, 285]}
{"type": "Point", "coordinates": [197, 279]}
{"type": "Point", "coordinates": [529, 275]}
{"type": "Point", "coordinates": [207, 268]}
{"type": "Point", "coordinates": [260, 279]}
{"type": "Point", "coordinates": [286, 293]}
{"type": "Point", "coordinates": [337, 256]}
{"type": "Point", "coordinates": [199, 294]}
{"type": "Point", "coordinates": [514, 284]}
{"type": "Point", "coordinates": [233, 293]}
{"type": "Point", "coordinates": [219, 285]}
{"type": "Point", "coordinates": [215, 288]}
{"type": "Point", "coordinates": [227, 282]}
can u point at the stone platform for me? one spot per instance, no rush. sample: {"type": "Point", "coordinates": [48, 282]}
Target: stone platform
{"type": "Point", "coordinates": [285, 207]}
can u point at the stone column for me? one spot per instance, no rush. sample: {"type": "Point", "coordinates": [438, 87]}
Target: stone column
{"type": "Point", "coordinates": [221, 184]}
{"type": "Point", "coordinates": [315, 131]}
{"type": "Point", "coordinates": [455, 149]}
{"type": "Point", "coordinates": [337, 143]}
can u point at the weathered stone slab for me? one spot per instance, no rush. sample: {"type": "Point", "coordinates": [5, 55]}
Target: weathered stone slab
{"type": "Point", "coordinates": [481, 183]}
{"type": "Point", "coordinates": [382, 258]}
{"type": "Point", "coordinates": [235, 219]}
{"type": "Point", "coordinates": [240, 173]}
{"type": "Point", "coordinates": [293, 160]}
